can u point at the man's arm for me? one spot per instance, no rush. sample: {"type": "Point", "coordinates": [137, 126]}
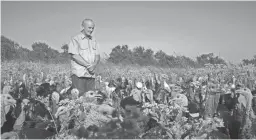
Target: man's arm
{"type": "Point", "coordinates": [73, 50]}
{"type": "Point", "coordinates": [96, 61]}
{"type": "Point", "coordinates": [78, 59]}
{"type": "Point", "coordinates": [92, 67]}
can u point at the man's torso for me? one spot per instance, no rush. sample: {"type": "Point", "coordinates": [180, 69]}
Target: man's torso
{"type": "Point", "coordinates": [87, 50]}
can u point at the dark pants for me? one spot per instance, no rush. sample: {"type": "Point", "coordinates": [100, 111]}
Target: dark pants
{"type": "Point", "coordinates": [83, 84]}
{"type": "Point", "coordinates": [234, 129]}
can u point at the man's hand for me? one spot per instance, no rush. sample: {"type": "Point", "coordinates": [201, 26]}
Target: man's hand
{"type": "Point", "coordinates": [80, 60]}
{"type": "Point", "coordinates": [91, 68]}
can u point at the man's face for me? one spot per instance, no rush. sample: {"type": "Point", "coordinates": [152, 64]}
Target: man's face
{"type": "Point", "coordinates": [88, 27]}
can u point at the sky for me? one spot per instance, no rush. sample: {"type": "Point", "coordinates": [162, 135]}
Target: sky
{"type": "Point", "coordinates": [228, 29]}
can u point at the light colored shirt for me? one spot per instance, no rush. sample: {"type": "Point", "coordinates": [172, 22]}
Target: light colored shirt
{"type": "Point", "coordinates": [87, 48]}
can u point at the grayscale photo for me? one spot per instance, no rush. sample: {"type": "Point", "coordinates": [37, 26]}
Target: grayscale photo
{"type": "Point", "coordinates": [128, 70]}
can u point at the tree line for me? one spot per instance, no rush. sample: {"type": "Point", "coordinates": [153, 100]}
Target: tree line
{"type": "Point", "coordinates": [145, 57]}
{"type": "Point", "coordinates": [41, 52]}
{"type": "Point", "coordinates": [121, 54]}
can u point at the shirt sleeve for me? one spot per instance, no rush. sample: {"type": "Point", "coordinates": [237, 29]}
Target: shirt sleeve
{"type": "Point", "coordinates": [73, 47]}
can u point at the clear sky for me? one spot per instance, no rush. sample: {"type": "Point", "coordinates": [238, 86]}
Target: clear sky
{"type": "Point", "coordinates": [227, 29]}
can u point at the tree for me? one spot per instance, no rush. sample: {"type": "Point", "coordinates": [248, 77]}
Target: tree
{"type": "Point", "coordinates": [116, 55]}
{"type": "Point", "coordinates": [252, 61]}
{"type": "Point", "coordinates": [209, 58]}
{"type": "Point", "coordinates": [162, 58]}
{"type": "Point", "coordinates": [65, 48]}
{"type": "Point", "coordinates": [40, 47]}
{"type": "Point", "coordinates": [149, 57]}
{"type": "Point", "coordinates": [138, 55]}
{"type": "Point", "coordinates": [8, 49]}
{"type": "Point", "coordinates": [45, 53]}
{"type": "Point", "coordinates": [40, 51]}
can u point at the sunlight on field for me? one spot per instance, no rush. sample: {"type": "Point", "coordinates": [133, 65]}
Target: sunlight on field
{"type": "Point", "coordinates": [110, 71]}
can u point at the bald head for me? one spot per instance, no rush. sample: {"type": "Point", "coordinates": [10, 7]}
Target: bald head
{"type": "Point", "coordinates": [88, 26]}
{"type": "Point", "coordinates": [87, 21]}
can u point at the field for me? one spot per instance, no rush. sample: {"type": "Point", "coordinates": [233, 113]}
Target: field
{"type": "Point", "coordinates": [178, 128]}
{"type": "Point", "coordinates": [16, 70]}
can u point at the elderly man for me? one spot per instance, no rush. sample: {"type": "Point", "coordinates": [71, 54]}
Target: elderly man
{"type": "Point", "coordinates": [84, 50]}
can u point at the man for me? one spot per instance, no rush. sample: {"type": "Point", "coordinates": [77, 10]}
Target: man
{"type": "Point", "coordinates": [84, 50]}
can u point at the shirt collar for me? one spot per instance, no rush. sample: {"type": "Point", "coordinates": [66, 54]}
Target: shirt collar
{"type": "Point", "coordinates": [85, 37]}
